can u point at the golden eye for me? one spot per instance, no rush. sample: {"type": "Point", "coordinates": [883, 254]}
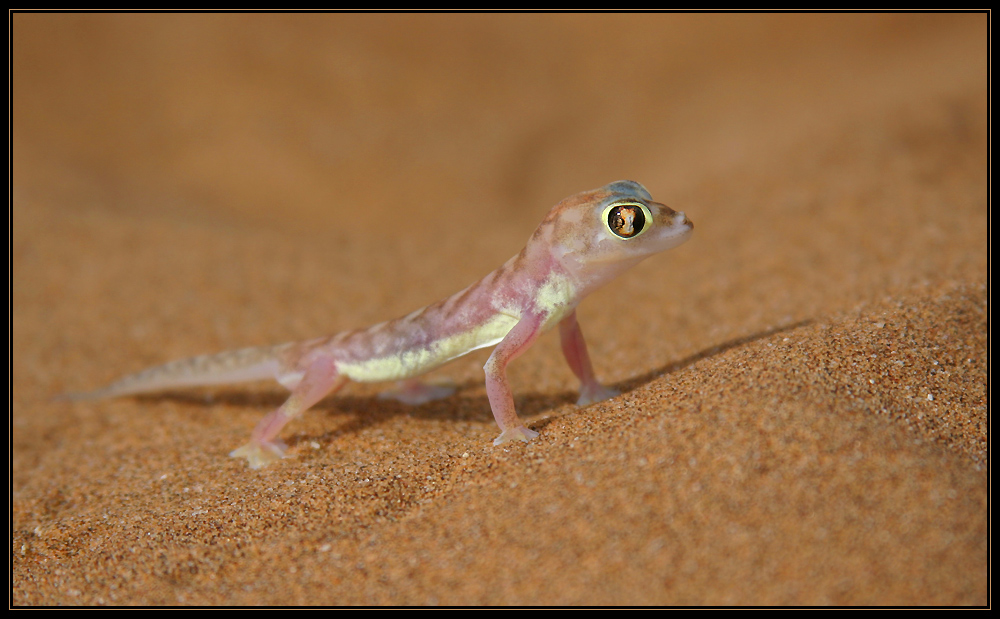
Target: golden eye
{"type": "Point", "coordinates": [627, 220]}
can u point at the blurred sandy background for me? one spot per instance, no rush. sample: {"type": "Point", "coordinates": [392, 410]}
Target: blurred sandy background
{"type": "Point", "coordinates": [806, 408]}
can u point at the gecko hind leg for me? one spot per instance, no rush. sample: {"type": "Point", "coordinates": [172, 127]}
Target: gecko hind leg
{"type": "Point", "coordinates": [319, 380]}
{"type": "Point", "coordinates": [414, 392]}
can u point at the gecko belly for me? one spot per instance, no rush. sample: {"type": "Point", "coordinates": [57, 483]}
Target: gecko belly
{"type": "Point", "coordinates": [415, 361]}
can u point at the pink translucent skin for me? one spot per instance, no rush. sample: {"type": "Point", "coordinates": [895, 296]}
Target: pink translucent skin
{"type": "Point", "coordinates": [573, 252]}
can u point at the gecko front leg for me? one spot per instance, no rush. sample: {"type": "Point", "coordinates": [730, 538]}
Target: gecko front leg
{"type": "Point", "coordinates": [518, 340]}
{"type": "Point", "coordinates": [320, 379]}
{"type": "Point", "coordinates": [574, 348]}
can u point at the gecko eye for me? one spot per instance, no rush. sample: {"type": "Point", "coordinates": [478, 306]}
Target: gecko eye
{"type": "Point", "coordinates": [627, 220]}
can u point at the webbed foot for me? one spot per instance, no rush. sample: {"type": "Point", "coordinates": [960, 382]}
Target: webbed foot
{"type": "Point", "coordinates": [520, 433]}
{"type": "Point", "coordinates": [599, 393]}
{"type": "Point", "coordinates": [259, 454]}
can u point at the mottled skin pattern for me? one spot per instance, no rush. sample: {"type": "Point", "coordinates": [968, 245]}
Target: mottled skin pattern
{"type": "Point", "coordinates": [584, 242]}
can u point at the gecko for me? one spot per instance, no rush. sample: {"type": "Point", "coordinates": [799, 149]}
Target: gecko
{"type": "Point", "coordinates": [585, 241]}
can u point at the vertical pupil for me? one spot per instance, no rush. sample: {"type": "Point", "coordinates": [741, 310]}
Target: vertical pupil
{"type": "Point", "coordinates": [626, 221]}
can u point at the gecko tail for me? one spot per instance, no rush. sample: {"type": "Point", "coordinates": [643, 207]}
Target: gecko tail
{"type": "Point", "coordinates": [235, 366]}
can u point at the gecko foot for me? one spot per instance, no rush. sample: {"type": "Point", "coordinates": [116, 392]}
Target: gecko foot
{"type": "Point", "coordinates": [598, 393]}
{"type": "Point", "coordinates": [259, 454]}
{"type": "Point", "coordinates": [520, 433]}
{"type": "Point", "coordinates": [414, 392]}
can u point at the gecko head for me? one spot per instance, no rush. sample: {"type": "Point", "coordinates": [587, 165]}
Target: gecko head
{"type": "Point", "coordinates": [598, 233]}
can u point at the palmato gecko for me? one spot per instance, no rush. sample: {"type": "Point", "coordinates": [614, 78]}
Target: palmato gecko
{"type": "Point", "coordinates": [584, 242]}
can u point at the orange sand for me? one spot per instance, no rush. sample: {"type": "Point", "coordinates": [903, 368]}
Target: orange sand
{"type": "Point", "coordinates": [806, 408]}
